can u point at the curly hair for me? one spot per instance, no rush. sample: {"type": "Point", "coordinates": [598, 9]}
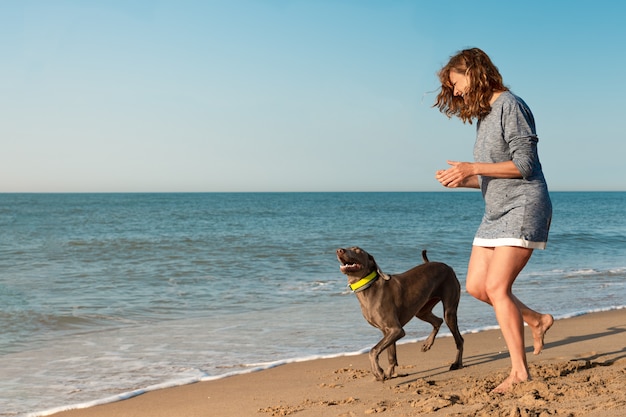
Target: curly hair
{"type": "Point", "coordinates": [484, 80]}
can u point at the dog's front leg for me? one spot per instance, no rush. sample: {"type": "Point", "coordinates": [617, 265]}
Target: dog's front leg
{"type": "Point", "coordinates": [390, 336]}
{"type": "Point", "coordinates": [393, 361]}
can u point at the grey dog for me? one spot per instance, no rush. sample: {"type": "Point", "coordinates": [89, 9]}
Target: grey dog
{"type": "Point", "coordinates": [388, 302]}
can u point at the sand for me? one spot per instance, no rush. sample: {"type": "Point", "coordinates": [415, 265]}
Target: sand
{"type": "Point", "coordinates": [581, 372]}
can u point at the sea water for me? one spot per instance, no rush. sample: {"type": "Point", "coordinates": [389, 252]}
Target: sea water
{"type": "Point", "coordinates": [106, 296]}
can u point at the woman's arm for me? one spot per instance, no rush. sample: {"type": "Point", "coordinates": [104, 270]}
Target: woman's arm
{"type": "Point", "coordinates": [465, 174]}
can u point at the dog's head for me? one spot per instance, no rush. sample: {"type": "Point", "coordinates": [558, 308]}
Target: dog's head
{"type": "Point", "coordinates": [356, 263]}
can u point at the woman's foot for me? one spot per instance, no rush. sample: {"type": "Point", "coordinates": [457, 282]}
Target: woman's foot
{"type": "Point", "coordinates": [508, 383]}
{"type": "Point", "coordinates": [545, 322]}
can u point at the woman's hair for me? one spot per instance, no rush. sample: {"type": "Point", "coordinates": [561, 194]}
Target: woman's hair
{"type": "Point", "coordinates": [484, 80]}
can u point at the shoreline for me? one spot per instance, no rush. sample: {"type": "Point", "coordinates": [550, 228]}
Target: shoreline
{"type": "Point", "coordinates": [582, 371]}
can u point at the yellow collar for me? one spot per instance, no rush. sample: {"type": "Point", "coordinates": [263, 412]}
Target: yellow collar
{"type": "Point", "coordinates": [363, 283]}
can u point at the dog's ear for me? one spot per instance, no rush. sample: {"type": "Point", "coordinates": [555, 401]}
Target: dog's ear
{"type": "Point", "coordinates": [378, 270]}
{"type": "Point", "coordinates": [382, 274]}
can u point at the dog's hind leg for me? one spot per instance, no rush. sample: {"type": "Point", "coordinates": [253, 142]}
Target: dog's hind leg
{"type": "Point", "coordinates": [450, 316]}
{"type": "Point", "coordinates": [427, 315]}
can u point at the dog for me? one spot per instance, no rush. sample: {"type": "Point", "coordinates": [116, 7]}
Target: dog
{"type": "Point", "coordinates": [388, 302]}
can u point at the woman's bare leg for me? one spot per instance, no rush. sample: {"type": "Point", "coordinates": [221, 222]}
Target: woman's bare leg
{"type": "Point", "coordinates": [491, 274]}
{"type": "Point", "coordinates": [539, 323]}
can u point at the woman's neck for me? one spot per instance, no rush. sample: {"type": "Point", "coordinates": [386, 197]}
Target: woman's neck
{"type": "Point", "coordinates": [495, 96]}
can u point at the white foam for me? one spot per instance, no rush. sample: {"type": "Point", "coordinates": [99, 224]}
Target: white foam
{"type": "Point", "coordinates": [115, 398]}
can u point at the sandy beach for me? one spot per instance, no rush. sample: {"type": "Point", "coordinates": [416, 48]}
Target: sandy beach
{"type": "Point", "coordinates": [581, 372]}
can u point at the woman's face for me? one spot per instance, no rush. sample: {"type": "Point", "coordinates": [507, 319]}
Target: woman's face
{"type": "Point", "coordinates": [460, 83]}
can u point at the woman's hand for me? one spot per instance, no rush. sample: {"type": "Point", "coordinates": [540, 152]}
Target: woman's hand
{"type": "Point", "coordinates": [460, 174]}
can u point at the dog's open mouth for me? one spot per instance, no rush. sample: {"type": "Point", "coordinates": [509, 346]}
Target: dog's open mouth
{"type": "Point", "coordinates": [345, 268]}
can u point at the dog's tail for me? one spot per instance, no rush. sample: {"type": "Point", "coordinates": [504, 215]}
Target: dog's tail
{"type": "Point", "coordinates": [424, 257]}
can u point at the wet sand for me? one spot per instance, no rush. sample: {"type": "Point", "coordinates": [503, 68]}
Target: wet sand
{"type": "Point", "coordinates": [581, 372]}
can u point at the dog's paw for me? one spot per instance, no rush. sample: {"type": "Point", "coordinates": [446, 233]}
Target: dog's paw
{"type": "Point", "coordinates": [455, 366]}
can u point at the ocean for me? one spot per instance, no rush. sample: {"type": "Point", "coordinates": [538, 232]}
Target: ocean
{"type": "Point", "coordinates": [107, 296]}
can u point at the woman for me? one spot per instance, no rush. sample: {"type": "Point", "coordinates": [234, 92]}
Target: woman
{"type": "Point", "coordinates": [517, 204]}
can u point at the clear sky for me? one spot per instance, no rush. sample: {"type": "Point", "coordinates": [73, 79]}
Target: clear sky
{"type": "Point", "coordinates": [302, 95]}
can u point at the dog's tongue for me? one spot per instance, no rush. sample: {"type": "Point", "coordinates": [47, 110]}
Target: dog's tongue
{"type": "Point", "coordinates": [349, 268]}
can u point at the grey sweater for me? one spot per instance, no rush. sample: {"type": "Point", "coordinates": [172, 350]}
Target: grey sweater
{"type": "Point", "coordinates": [517, 211]}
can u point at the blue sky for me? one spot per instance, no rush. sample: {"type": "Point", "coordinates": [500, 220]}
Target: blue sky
{"type": "Point", "coordinates": [238, 95]}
